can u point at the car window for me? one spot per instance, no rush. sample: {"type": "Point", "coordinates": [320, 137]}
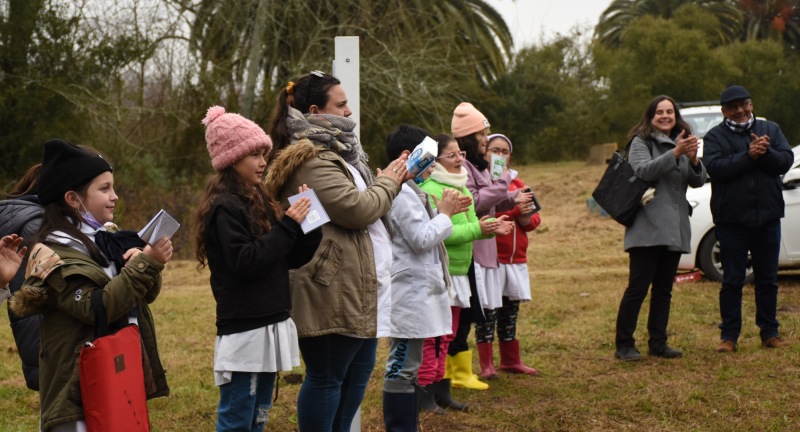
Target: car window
{"type": "Point", "coordinates": [702, 123]}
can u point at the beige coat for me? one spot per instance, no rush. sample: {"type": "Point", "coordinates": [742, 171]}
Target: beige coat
{"type": "Point", "coordinates": [337, 291]}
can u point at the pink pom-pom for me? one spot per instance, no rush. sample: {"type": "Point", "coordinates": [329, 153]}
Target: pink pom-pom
{"type": "Point", "coordinates": [213, 113]}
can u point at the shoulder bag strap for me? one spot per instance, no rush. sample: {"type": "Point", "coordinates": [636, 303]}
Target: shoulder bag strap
{"type": "Point", "coordinates": [101, 327]}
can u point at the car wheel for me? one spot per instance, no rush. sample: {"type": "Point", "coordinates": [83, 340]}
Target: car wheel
{"type": "Point", "coordinates": [709, 261]}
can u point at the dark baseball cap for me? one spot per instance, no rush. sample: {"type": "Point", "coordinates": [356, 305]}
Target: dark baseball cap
{"type": "Point", "coordinates": [733, 93]}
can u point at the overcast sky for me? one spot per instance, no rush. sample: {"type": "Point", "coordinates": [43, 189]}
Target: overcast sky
{"type": "Point", "coordinates": [535, 21]}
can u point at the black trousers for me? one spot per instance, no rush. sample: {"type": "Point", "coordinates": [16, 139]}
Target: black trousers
{"type": "Point", "coordinates": [648, 265]}
{"type": "Point", "coordinates": [472, 314]}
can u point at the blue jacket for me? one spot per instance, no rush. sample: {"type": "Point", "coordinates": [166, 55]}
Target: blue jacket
{"type": "Point", "coordinates": [744, 191]}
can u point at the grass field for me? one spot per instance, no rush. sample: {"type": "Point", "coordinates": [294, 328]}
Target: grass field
{"type": "Point", "coordinates": [578, 274]}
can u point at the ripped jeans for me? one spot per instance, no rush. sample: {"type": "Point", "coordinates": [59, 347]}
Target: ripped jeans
{"type": "Point", "coordinates": [244, 402]}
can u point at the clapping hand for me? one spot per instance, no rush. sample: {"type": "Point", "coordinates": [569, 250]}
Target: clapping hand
{"type": "Point", "coordinates": [449, 204]}
{"type": "Point", "coordinates": [758, 146]}
{"type": "Point", "coordinates": [686, 145]}
{"type": "Point", "coordinates": [11, 254]}
{"type": "Point", "coordinates": [397, 170]}
{"type": "Point", "coordinates": [505, 227]}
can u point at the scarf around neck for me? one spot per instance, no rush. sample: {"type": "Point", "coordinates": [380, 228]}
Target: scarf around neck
{"type": "Point", "coordinates": [740, 127]}
{"type": "Point", "coordinates": [332, 132]}
{"type": "Point", "coordinates": [441, 175]}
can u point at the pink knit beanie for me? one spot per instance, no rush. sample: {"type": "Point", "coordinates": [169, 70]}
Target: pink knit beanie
{"type": "Point", "coordinates": [230, 137]}
{"type": "Point", "coordinates": [467, 120]}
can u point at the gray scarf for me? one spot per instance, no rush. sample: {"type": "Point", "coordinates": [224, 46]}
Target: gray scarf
{"type": "Point", "coordinates": [332, 132]}
{"type": "Point", "coordinates": [335, 133]}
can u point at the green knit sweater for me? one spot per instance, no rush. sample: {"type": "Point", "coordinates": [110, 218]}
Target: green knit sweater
{"type": "Point", "coordinates": [466, 229]}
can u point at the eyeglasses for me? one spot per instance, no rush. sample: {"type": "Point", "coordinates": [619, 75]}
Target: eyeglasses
{"type": "Point", "coordinates": [453, 156]}
{"type": "Point", "coordinates": [499, 151]}
{"type": "Point", "coordinates": [735, 105]}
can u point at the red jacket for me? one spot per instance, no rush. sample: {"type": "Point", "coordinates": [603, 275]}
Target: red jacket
{"type": "Point", "coordinates": [512, 248]}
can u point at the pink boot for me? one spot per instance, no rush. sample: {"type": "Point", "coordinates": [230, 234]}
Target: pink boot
{"type": "Point", "coordinates": [486, 357]}
{"type": "Point", "coordinates": [510, 360]}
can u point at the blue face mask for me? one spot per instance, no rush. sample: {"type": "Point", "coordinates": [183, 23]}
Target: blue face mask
{"type": "Point", "coordinates": [88, 217]}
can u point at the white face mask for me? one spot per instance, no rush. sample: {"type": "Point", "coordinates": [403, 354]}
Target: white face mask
{"type": "Point", "coordinates": [88, 217]}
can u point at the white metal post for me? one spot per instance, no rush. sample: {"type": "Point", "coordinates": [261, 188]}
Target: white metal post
{"type": "Point", "coordinates": [346, 65]}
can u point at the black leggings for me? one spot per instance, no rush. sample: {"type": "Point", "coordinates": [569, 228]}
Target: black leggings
{"type": "Point", "coordinates": [504, 318]}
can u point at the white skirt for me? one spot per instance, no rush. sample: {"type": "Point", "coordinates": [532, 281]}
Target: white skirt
{"type": "Point", "coordinates": [267, 349]}
{"type": "Point", "coordinates": [459, 295]}
{"type": "Point", "coordinates": [490, 292]}
{"type": "Point", "coordinates": [516, 281]}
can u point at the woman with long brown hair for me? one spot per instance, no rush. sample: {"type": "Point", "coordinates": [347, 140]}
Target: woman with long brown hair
{"type": "Point", "coordinates": [663, 152]}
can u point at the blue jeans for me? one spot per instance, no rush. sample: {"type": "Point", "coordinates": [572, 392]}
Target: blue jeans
{"type": "Point", "coordinates": [244, 402]}
{"type": "Point", "coordinates": [337, 371]}
{"type": "Point", "coordinates": [764, 244]}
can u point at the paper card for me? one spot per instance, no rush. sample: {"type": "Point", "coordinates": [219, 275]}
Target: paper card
{"type": "Point", "coordinates": [316, 214]}
{"type": "Point", "coordinates": [422, 157]}
{"type": "Point", "coordinates": [162, 225]}
{"type": "Point", "coordinates": [496, 165]}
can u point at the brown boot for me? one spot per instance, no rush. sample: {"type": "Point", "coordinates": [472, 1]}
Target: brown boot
{"type": "Point", "coordinates": [727, 346]}
{"type": "Point", "coordinates": [774, 342]}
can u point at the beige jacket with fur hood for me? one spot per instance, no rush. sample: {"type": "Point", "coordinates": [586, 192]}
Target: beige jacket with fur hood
{"type": "Point", "coordinates": [337, 291]}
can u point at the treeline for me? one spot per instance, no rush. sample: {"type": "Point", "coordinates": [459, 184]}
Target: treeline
{"type": "Point", "coordinates": [134, 78]}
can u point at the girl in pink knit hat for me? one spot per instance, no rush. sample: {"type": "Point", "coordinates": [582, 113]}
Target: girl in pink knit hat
{"type": "Point", "coordinates": [249, 244]}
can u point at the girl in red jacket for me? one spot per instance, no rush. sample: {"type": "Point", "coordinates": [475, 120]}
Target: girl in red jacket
{"type": "Point", "coordinates": [513, 274]}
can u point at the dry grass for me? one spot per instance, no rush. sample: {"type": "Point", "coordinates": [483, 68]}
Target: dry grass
{"type": "Point", "coordinates": [579, 272]}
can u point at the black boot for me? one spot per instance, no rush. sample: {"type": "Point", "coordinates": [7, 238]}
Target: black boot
{"type": "Point", "coordinates": [427, 401]}
{"type": "Point", "coordinates": [441, 392]}
{"type": "Point", "coordinates": [400, 412]}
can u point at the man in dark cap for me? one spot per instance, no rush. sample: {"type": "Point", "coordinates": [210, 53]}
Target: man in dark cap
{"type": "Point", "coordinates": [745, 158]}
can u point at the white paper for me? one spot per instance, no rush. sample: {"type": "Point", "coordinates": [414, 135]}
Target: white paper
{"type": "Point", "coordinates": [317, 216]}
{"type": "Point", "coordinates": [162, 225]}
{"type": "Point", "coordinates": [496, 165]}
{"type": "Point", "coordinates": [422, 157]}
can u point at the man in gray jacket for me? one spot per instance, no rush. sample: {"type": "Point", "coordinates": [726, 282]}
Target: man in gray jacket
{"type": "Point", "coordinates": [745, 158]}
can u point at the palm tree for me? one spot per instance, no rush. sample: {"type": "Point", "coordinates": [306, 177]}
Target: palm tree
{"type": "Point", "coordinates": [295, 35]}
{"type": "Point", "coordinates": [619, 14]}
{"type": "Point", "coordinates": [765, 19]}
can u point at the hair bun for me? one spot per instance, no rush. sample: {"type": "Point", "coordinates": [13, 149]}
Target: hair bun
{"type": "Point", "coordinates": [213, 113]}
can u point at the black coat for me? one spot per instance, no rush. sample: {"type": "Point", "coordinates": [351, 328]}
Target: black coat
{"type": "Point", "coordinates": [23, 216]}
{"type": "Point", "coordinates": [744, 191]}
{"type": "Point", "coordinates": [250, 268]}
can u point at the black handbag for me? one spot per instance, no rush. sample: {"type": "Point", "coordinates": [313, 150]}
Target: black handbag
{"type": "Point", "coordinates": [620, 192]}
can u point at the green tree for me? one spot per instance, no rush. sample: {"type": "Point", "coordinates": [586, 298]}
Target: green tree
{"type": "Point", "coordinates": [548, 101]}
{"type": "Point", "coordinates": [658, 57]}
{"type": "Point", "coordinates": [621, 13]}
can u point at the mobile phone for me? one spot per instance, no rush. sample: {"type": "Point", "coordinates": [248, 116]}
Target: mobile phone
{"type": "Point", "coordinates": [537, 206]}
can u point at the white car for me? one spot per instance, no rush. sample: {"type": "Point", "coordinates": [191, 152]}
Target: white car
{"type": "Point", "coordinates": [701, 119]}
{"type": "Point", "coordinates": [705, 247]}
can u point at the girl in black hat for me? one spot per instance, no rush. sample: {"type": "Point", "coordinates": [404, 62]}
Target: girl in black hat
{"type": "Point", "coordinates": [74, 258]}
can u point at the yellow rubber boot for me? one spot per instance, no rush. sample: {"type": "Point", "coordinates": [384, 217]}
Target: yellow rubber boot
{"type": "Point", "coordinates": [459, 371]}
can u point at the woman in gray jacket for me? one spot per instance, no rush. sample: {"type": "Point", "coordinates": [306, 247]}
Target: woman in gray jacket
{"type": "Point", "coordinates": [663, 152]}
